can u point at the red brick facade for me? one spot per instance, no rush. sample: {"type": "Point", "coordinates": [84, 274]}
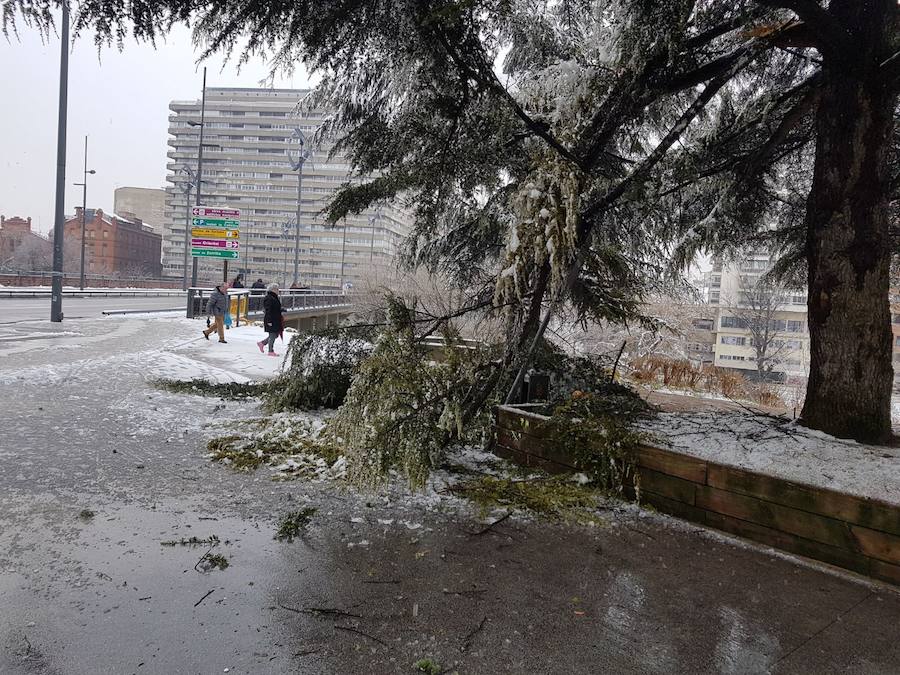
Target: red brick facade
{"type": "Point", "coordinates": [115, 245]}
{"type": "Point", "coordinates": [20, 248]}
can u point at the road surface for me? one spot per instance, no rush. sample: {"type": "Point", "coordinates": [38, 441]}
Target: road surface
{"type": "Point", "coordinates": [38, 309]}
{"type": "Point", "coordinates": [97, 469]}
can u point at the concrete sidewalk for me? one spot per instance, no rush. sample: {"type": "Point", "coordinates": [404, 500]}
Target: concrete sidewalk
{"type": "Point", "coordinates": [378, 583]}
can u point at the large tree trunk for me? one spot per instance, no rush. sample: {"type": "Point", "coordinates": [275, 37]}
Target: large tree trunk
{"type": "Point", "coordinates": [848, 247]}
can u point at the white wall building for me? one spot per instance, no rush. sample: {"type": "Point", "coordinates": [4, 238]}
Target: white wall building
{"type": "Point", "coordinates": [734, 343]}
{"type": "Point", "coordinates": [247, 136]}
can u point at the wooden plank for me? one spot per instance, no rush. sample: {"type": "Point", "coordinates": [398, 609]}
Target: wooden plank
{"type": "Point", "coordinates": [672, 463]}
{"type": "Point", "coordinates": [516, 420]}
{"type": "Point", "coordinates": [885, 572]}
{"type": "Point", "coordinates": [777, 517]}
{"type": "Point", "coordinates": [833, 555]}
{"type": "Point", "coordinates": [879, 545]}
{"type": "Point", "coordinates": [870, 513]}
{"type": "Point", "coordinates": [673, 507]}
{"type": "Point", "coordinates": [507, 438]}
{"type": "Point", "coordinates": [668, 486]}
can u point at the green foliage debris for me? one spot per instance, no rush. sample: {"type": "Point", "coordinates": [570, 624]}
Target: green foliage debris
{"type": "Point", "coordinates": [294, 524]}
{"type": "Point", "coordinates": [406, 404]}
{"type": "Point", "coordinates": [554, 497]}
{"type": "Point", "coordinates": [236, 391]}
{"type": "Point", "coordinates": [321, 369]}
{"type": "Point", "coordinates": [86, 515]}
{"type": "Point", "coordinates": [428, 666]}
{"type": "Point", "coordinates": [597, 428]}
{"type": "Point", "coordinates": [215, 560]}
{"type": "Point", "coordinates": [292, 445]}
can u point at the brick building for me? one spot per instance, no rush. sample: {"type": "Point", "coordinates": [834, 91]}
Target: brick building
{"type": "Point", "coordinates": [21, 248]}
{"type": "Point", "coordinates": [115, 244]}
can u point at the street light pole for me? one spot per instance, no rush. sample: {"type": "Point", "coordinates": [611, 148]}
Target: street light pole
{"type": "Point", "coordinates": [56, 313]}
{"type": "Point", "coordinates": [343, 248]}
{"type": "Point", "coordinates": [84, 208]}
{"type": "Point", "coordinates": [189, 184]}
{"type": "Point", "coordinates": [297, 165]}
{"type": "Point", "coordinates": [199, 166]}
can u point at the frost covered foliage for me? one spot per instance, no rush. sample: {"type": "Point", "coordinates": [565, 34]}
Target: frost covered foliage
{"type": "Point", "coordinates": [292, 447]}
{"type": "Point", "coordinates": [405, 406]}
{"type": "Point", "coordinates": [321, 369]}
{"type": "Point", "coordinates": [598, 429]}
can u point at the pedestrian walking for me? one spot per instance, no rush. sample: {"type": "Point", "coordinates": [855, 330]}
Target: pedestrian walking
{"type": "Point", "coordinates": [238, 281]}
{"type": "Point", "coordinates": [272, 319]}
{"type": "Point", "coordinates": [216, 307]}
{"type": "Point", "coordinates": [257, 291]}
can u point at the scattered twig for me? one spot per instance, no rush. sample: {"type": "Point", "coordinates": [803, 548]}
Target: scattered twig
{"type": "Point", "coordinates": [634, 529]}
{"type": "Point", "coordinates": [474, 591]}
{"type": "Point", "coordinates": [359, 632]}
{"type": "Point", "coordinates": [305, 652]}
{"type": "Point", "coordinates": [27, 645]}
{"type": "Point", "coordinates": [207, 518]}
{"type": "Point", "coordinates": [381, 581]}
{"type": "Point", "coordinates": [328, 611]}
{"type": "Point", "coordinates": [492, 525]}
{"type": "Point", "coordinates": [204, 598]}
{"type": "Point", "coordinates": [468, 640]}
{"type": "Point", "coordinates": [147, 598]}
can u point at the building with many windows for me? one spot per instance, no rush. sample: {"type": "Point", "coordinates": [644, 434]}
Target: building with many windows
{"type": "Point", "coordinates": [744, 301]}
{"type": "Point", "coordinates": [114, 244]}
{"type": "Point", "coordinates": [147, 204]}
{"type": "Point", "coordinates": [248, 139]}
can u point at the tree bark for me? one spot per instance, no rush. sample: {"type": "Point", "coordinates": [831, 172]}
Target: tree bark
{"type": "Point", "coordinates": [848, 244]}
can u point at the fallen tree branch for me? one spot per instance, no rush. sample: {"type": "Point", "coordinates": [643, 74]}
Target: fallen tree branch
{"type": "Point", "coordinates": [468, 640]}
{"type": "Point", "coordinates": [349, 629]}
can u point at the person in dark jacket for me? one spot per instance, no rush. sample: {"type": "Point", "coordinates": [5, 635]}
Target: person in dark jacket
{"type": "Point", "coordinates": [272, 319]}
{"type": "Point", "coordinates": [238, 281]}
{"type": "Point", "coordinates": [217, 306]}
{"type": "Point", "coordinates": [257, 291]}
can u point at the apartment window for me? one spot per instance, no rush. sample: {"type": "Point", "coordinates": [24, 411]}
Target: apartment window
{"type": "Point", "coordinates": [733, 322]}
{"type": "Point", "coordinates": [702, 324]}
{"type": "Point", "coordinates": [795, 326]}
{"type": "Point", "coordinates": [896, 318]}
{"type": "Point", "coordinates": [897, 341]}
{"type": "Point", "coordinates": [733, 340]}
{"type": "Point", "coordinates": [779, 324]}
{"type": "Point", "coordinates": [798, 299]}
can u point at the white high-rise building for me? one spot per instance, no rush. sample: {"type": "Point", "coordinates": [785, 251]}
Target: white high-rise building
{"type": "Point", "coordinates": [729, 285]}
{"type": "Point", "coordinates": [247, 137]}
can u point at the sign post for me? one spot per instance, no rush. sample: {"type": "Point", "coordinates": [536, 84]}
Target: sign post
{"type": "Point", "coordinates": [216, 233]}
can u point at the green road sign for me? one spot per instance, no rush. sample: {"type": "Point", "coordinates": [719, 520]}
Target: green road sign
{"type": "Point", "coordinates": [214, 253]}
{"type": "Point", "coordinates": [215, 222]}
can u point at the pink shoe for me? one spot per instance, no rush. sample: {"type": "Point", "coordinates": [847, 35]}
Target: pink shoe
{"type": "Point", "coordinates": [261, 345]}
{"type": "Point", "coordinates": [272, 354]}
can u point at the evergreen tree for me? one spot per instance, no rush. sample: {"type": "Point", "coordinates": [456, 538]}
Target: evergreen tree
{"type": "Point", "coordinates": [561, 150]}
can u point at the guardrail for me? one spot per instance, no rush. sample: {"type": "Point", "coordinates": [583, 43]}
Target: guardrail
{"type": "Point", "coordinates": [93, 293]}
{"type": "Point", "coordinates": [247, 303]}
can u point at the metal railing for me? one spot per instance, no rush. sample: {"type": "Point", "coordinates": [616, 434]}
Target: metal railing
{"type": "Point", "coordinates": [92, 293]}
{"type": "Point", "coordinates": [247, 303]}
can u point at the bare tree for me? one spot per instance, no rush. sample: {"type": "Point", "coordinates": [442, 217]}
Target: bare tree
{"type": "Point", "coordinates": [757, 310]}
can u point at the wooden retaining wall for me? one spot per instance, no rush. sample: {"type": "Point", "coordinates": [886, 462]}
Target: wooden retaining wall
{"type": "Point", "coordinates": [862, 535]}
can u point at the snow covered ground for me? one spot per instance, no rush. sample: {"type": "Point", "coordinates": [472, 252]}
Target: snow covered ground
{"type": "Point", "coordinates": [782, 448]}
{"type": "Point", "coordinates": [239, 360]}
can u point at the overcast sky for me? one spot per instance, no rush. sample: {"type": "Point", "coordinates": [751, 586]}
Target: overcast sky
{"type": "Point", "coordinates": [119, 99]}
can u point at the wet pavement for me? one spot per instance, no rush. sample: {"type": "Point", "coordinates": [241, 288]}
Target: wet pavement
{"type": "Point", "coordinates": [378, 582]}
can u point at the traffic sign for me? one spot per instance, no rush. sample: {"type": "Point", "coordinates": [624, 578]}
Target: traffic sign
{"type": "Point", "coordinates": [215, 243]}
{"type": "Point", "coordinates": [214, 253]}
{"type": "Point", "coordinates": [215, 232]}
{"type": "Point", "coordinates": [216, 212]}
{"type": "Point", "coordinates": [211, 233]}
{"type": "Point", "coordinates": [215, 222]}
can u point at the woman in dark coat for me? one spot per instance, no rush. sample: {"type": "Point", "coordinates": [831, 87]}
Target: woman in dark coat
{"type": "Point", "coordinates": [272, 320]}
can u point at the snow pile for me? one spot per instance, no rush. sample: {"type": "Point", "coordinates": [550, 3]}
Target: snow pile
{"type": "Point", "coordinates": [778, 447]}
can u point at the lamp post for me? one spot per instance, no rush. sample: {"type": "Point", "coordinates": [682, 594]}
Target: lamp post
{"type": "Point", "coordinates": [186, 188]}
{"type": "Point", "coordinates": [200, 166]}
{"type": "Point", "coordinates": [84, 208]}
{"type": "Point", "coordinates": [56, 313]}
{"type": "Point", "coordinates": [297, 160]}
